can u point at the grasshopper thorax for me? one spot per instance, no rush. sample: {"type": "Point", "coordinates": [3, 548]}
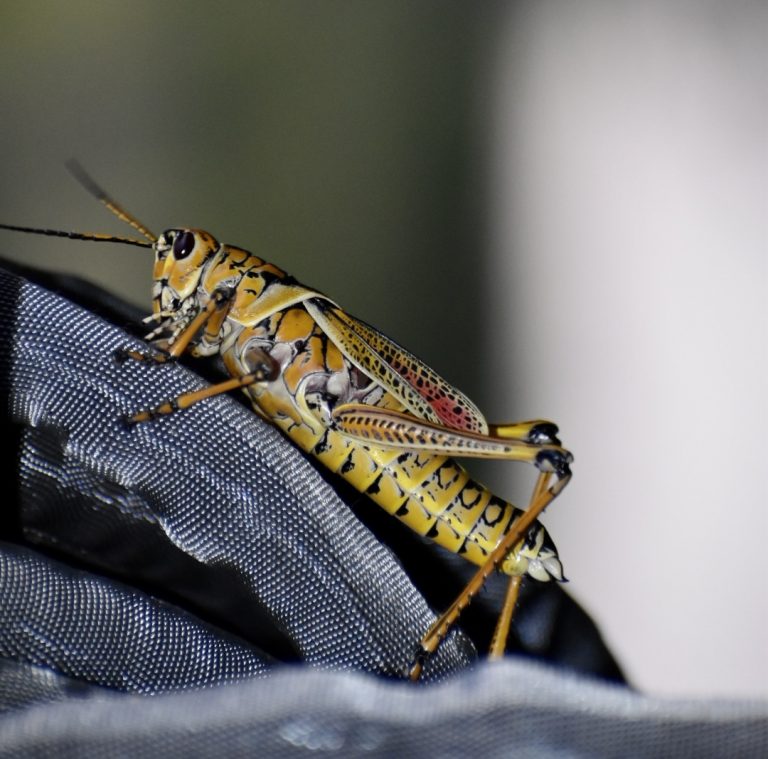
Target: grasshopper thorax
{"type": "Point", "coordinates": [180, 256]}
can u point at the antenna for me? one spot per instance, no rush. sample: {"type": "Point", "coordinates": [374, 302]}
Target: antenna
{"type": "Point", "coordinates": [86, 181]}
{"type": "Point", "coordinates": [79, 235]}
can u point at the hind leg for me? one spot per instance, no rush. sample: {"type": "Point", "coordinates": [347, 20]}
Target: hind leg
{"type": "Point", "coordinates": [543, 495]}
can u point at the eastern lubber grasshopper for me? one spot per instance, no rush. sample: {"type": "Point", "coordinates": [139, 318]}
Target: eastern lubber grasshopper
{"type": "Point", "coordinates": [360, 403]}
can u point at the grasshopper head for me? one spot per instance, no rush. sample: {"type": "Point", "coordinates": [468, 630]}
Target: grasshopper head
{"type": "Point", "coordinates": [180, 255]}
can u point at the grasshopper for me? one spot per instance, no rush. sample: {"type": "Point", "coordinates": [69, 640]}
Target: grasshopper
{"type": "Point", "coordinates": [342, 391]}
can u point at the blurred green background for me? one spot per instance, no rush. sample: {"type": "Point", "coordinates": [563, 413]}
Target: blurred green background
{"type": "Point", "coordinates": [337, 139]}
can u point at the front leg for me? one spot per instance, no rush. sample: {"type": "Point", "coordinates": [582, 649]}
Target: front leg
{"type": "Point", "coordinates": [154, 355]}
{"type": "Point", "coordinates": [266, 369]}
{"type": "Point", "coordinates": [210, 318]}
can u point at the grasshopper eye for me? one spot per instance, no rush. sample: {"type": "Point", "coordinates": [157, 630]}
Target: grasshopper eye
{"type": "Point", "coordinates": [183, 245]}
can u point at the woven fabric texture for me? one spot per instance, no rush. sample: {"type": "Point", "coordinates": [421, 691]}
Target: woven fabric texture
{"type": "Point", "coordinates": [186, 558]}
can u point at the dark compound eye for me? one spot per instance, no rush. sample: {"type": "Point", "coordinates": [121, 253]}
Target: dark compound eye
{"type": "Point", "coordinates": [183, 244]}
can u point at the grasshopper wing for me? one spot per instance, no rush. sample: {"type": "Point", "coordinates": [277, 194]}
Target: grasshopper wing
{"type": "Point", "coordinates": [418, 387]}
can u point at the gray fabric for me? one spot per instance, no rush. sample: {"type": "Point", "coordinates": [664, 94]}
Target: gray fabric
{"type": "Point", "coordinates": [503, 709]}
{"type": "Point", "coordinates": [23, 684]}
{"type": "Point", "coordinates": [100, 632]}
{"type": "Point", "coordinates": [214, 482]}
{"type": "Point", "coordinates": [213, 512]}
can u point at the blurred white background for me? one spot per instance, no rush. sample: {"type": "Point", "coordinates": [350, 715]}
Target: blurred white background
{"type": "Point", "coordinates": [560, 206]}
{"type": "Point", "coordinates": [630, 145]}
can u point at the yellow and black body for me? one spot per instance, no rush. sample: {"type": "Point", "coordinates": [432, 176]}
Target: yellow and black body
{"type": "Point", "coordinates": [365, 407]}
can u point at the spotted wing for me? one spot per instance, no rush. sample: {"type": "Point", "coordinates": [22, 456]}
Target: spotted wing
{"type": "Point", "coordinates": [418, 387]}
